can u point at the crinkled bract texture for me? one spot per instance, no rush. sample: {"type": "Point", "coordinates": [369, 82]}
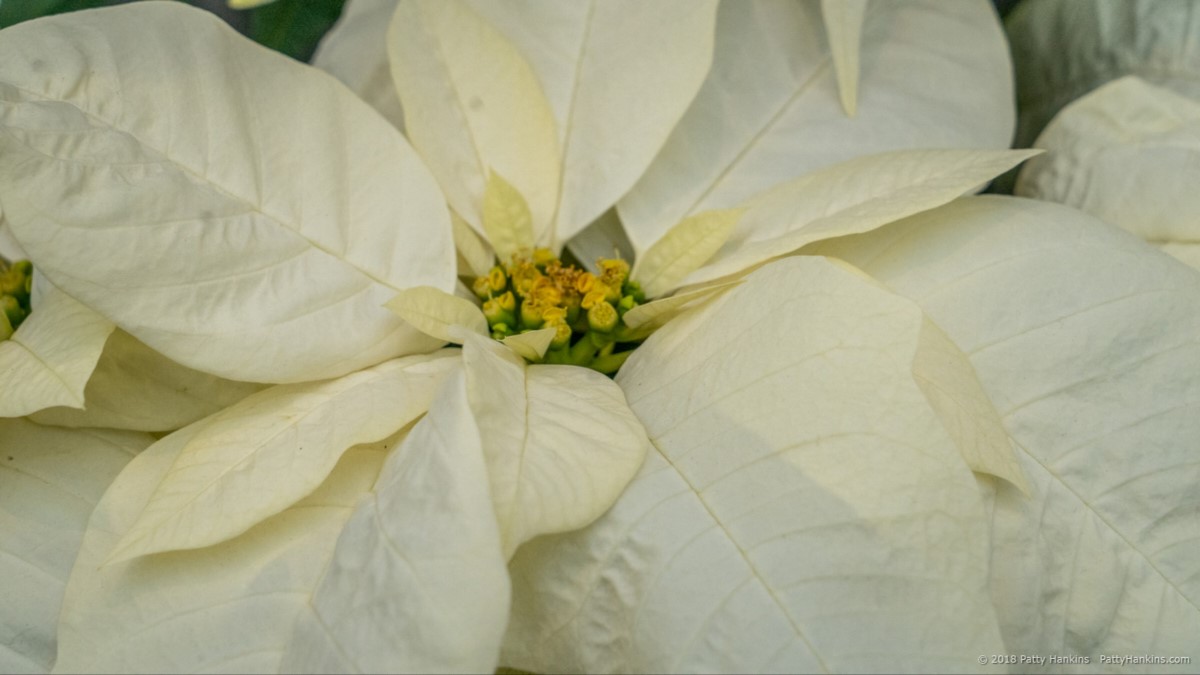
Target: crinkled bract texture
{"type": "Point", "coordinates": [393, 563]}
{"type": "Point", "coordinates": [200, 213]}
{"type": "Point", "coordinates": [225, 478]}
{"type": "Point", "coordinates": [1100, 557]}
{"type": "Point", "coordinates": [561, 442]}
{"type": "Point", "coordinates": [1063, 49]}
{"type": "Point", "coordinates": [1129, 154]}
{"type": "Point", "coordinates": [802, 510]}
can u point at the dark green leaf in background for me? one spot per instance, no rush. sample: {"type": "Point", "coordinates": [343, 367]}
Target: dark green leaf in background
{"type": "Point", "coordinates": [293, 26]}
{"type": "Point", "coordinates": [16, 11]}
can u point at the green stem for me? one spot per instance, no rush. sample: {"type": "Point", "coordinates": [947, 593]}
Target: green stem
{"type": "Point", "coordinates": [610, 363]}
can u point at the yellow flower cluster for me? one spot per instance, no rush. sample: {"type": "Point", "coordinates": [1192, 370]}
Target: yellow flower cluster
{"type": "Point", "coordinates": [537, 291]}
{"type": "Point", "coordinates": [16, 281]}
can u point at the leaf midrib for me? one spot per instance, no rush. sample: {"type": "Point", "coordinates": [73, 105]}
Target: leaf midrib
{"type": "Point", "coordinates": [202, 178]}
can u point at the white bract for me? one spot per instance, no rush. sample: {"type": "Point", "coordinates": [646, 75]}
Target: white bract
{"type": "Point", "coordinates": [1063, 49]}
{"type": "Point", "coordinates": [1127, 153]}
{"type": "Point", "coordinates": [803, 436]}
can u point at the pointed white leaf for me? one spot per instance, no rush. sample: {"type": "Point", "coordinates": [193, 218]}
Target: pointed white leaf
{"type": "Point", "coordinates": [135, 387]}
{"type": "Point", "coordinates": [531, 346]}
{"type": "Point", "coordinates": [683, 249]}
{"type": "Point", "coordinates": [435, 313]}
{"type": "Point", "coordinates": [355, 52]}
{"type": "Point", "coordinates": [506, 218]}
{"type": "Point", "coordinates": [1086, 341]}
{"type": "Point", "coordinates": [851, 197]}
{"type": "Point", "coordinates": [417, 582]}
{"type": "Point", "coordinates": [475, 256]}
{"type": "Point", "coordinates": [803, 509]}
{"type": "Point", "coordinates": [239, 212]}
{"type": "Point", "coordinates": [952, 388]}
{"type": "Point", "coordinates": [1129, 154]}
{"type": "Point", "coordinates": [229, 607]}
{"type": "Point", "coordinates": [260, 456]}
{"type": "Point", "coordinates": [618, 75]}
{"type": "Point", "coordinates": [843, 28]}
{"type": "Point", "coordinates": [933, 74]}
{"type": "Point", "coordinates": [473, 105]}
{"type": "Point", "coordinates": [48, 360]}
{"type": "Point", "coordinates": [50, 479]}
{"type": "Point", "coordinates": [560, 441]}
{"type": "Point", "coordinates": [656, 313]}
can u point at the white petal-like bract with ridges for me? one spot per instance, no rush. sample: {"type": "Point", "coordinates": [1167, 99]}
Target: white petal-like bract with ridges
{"type": "Point", "coordinates": [229, 607]}
{"type": "Point", "coordinates": [48, 360]}
{"type": "Point", "coordinates": [268, 451]}
{"type": "Point", "coordinates": [417, 582]}
{"type": "Point", "coordinates": [243, 214]}
{"type": "Point", "coordinates": [854, 196]}
{"type": "Point", "coordinates": [1104, 410]}
{"type": "Point", "coordinates": [803, 510]}
{"type": "Point", "coordinates": [50, 479]}
{"type": "Point", "coordinates": [355, 52]}
{"type": "Point", "coordinates": [618, 74]}
{"type": "Point", "coordinates": [1129, 154]}
{"type": "Point", "coordinates": [134, 387]}
{"type": "Point", "coordinates": [932, 74]}
{"type": "Point", "coordinates": [472, 106]}
{"type": "Point", "coordinates": [560, 441]}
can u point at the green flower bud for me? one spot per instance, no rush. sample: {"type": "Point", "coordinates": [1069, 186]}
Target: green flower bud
{"type": "Point", "coordinates": [6, 329]}
{"type": "Point", "coordinates": [500, 309]}
{"type": "Point", "coordinates": [531, 315]}
{"type": "Point", "coordinates": [634, 289]}
{"type": "Point", "coordinates": [13, 283]}
{"type": "Point", "coordinates": [481, 288]}
{"type": "Point", "coordinates": [14, 314]}
{"type": "Point", "coordinates": [562, 337]}
{"type": "Point", "coordinates": [602, 317]}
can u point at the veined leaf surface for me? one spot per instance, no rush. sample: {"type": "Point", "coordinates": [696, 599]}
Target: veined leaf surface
{"type": "Point", "coordinates": [932, 74]}
{"type": "Point", "coordinates": [1087, 342]}
{"type": "Point", "coordinates": [239, 212]}
{"type": "Point", "coordinates": [50, 479]}
{"type": "Point", "coordinates": [802, 510]}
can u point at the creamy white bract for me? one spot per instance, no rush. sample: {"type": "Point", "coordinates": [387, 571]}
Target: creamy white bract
{"type": "Point", "coordinates": [899, 449]}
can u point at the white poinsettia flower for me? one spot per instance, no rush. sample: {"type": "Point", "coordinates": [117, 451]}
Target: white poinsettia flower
{"type": "Point", "coordinates": [1062, 49]}
{"type": "Point", "coordinates": [808, 502]}
{"type": "Point", "coordinates": [1127, 153]}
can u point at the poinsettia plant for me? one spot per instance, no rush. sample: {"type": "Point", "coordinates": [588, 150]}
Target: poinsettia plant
{"type": "Point", "coordinates": [857, 423]}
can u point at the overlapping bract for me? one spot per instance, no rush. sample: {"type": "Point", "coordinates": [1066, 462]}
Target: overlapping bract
{"type": "Point", "coordinates": [1126, 153]}
{"type": "Point", "coordinates": [189, 207]}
